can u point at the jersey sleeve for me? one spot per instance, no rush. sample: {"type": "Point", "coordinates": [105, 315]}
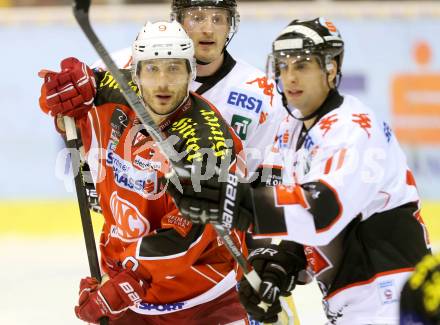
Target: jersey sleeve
{"type": "Point", "coordinates": [333, 182]}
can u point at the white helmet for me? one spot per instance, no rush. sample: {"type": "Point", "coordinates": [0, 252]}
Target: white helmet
{"type": "Point", "coordinates": [162, 40]}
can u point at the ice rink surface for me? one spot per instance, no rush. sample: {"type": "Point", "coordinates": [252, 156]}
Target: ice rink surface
{"type": "Point", "coordinates": [39, 281]}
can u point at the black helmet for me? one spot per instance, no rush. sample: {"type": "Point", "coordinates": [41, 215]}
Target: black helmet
{"type": "Point", "coordinates": [230, 5]}
{"type": "Point", "coordinates": [227, 4]}
{"type": "Point", "coordinates": [312, 37]}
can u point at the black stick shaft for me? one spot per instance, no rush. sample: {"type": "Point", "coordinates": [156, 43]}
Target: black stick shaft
{"type": "Point", "coordinates": [86, 219]}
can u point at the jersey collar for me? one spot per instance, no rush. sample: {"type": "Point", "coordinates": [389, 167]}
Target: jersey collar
{"type": "Point", "coordinates": [210, 81]}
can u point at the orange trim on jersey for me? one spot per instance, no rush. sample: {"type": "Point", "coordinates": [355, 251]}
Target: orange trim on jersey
{"type": "Point", "coordinates": [275, 234]}
{"type": "Point", "coordinates": [289, 195]}
{"type": "Point", "coordinates": [271, 166]}
{"type": "Point", "coordinates": [410, 180]}
{"type": "Point", "coordinates": [341, 158]}
{"type": "Point", "coordinates": [339, 204]}
{"type": "Point", "coordinates": [328, 165]}
{"type": "Point", "coordinates": [356, 284]}
{"type": "Point", "coordinates": [128, 63]}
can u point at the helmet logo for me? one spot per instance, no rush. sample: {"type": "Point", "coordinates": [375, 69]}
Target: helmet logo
{"type": "Point", "coordinates": [162, 28]}
{"type": "Point", "coordinates": [329, 25]}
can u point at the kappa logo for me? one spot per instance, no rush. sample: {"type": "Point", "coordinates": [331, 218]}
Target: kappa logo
{"type": "Point", "coordinates": [265, 85]}
{"type": "Point", "coordinates": [327, 122]}
{"type": "Point", "coordinates": [130, 223]}
{"type": "Point", "coordinates": [241, 125]}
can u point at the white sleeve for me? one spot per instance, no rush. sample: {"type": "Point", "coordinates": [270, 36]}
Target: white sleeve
{"type": "Point", "coordinates": [334, 183]}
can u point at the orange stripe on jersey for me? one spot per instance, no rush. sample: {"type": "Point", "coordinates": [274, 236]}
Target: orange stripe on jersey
{"type": "Point", "coordinates": [410, 180]}
{"type": "Point", "coordinates": [128, 63]}
{"type": "Point", "coordinates": [339, 205]}
{"type": "Point", "coordinates": [341, 158]}
{"type": "Point", "coordinates": [328, 165]}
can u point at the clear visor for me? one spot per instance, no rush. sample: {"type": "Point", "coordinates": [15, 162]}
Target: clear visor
{"type": "Point", "coordinates": [296, 61]}
{"type": "Point", "coordinates": [282, 61]}
{"type": "Point", "coordinates": [198, 18]}
{"type": "Point", "coordinates": [156, 72]}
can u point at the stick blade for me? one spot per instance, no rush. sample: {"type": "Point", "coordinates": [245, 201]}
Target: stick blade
{"type": "Point", "coordinates": [81, 5]}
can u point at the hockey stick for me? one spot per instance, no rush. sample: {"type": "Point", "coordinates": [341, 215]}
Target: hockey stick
{"type": "Point", "coordinates": [81, 13]}
{"type": "Point", "coordinates": [86, 220]}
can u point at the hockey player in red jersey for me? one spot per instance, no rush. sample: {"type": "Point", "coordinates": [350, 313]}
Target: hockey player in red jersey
{"type": "Point", "coordinates": [347, 203]}
{"type": "Point", "coordinates": [162, 269]}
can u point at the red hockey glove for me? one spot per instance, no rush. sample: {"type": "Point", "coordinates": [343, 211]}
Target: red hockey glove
{"type": "Point", "coordinates": [110, 300]}
{"type": "Point", "coordinates": [69, 92]}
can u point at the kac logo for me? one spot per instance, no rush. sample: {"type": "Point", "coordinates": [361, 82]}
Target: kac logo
{"type": "Point", "coordinates": [129, 221]}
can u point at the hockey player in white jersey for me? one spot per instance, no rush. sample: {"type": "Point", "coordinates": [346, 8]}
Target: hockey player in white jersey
{"type": "Point", "coordinates": [246, 99]}
{"type": "Point", "coordinates": [347, 202]}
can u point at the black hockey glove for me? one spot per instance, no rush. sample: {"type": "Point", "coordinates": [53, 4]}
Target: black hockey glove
{"type": "Point", "coordinates": [222, 200]}
{"type": "Point", "coordinates": [278, 266]}
{"type": "Point", "coordinates": [250, 301]}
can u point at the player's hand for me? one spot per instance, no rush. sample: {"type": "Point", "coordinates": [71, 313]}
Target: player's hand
{"type": "Point", "coordinates": [110, 300]}
{"type": "Point", "coordinates": [70, 92]}
{"type": "Point", "coordinates": [278, 267]}
{"type": "Point", "coordinates": [250, 301]}
{"type": "Point", "coordinates": [226, 202]}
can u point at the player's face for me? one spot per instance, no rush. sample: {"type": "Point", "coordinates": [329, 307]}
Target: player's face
{"type": "Point", "coordinates": [304, 82]}
{"type": "Point", "coordinates": [164, 83]}
{"type": "Point", "coordinates": [209, 29]}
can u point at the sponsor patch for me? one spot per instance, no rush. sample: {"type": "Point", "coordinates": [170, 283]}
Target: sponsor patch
{"type": "Point", "coordinates": [130, 223]}
{"type": "Point", "coordinates": [162, 308]}
{"type": "Point", "coordinates": [246, 101]}
{"type": "Point", "coordinates": [143, 164]}
{"type": "Point", "coordinates": [110, 150]}
{"type": "Point", "coordinates": [142, 182]}
{"type": "Point", "coordinates": [267, 87]}
{"type": "Point", "coordinates": [387, 292]}
{"type": "Point", "coordinates": [241, 125]}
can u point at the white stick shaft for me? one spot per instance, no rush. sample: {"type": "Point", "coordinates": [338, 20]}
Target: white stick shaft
{"type": "Point", "coordinates": [70, 126]}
